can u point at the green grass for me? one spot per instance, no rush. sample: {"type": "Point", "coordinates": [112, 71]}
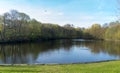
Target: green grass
{"type": "Point", "coordinates": [103, 67]}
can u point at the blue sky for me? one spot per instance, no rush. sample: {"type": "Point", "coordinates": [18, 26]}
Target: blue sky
{"type": "Point", "coordinates": [81, 13]}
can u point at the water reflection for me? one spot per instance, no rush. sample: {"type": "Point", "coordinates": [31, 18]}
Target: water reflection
{"type": "Point", "coordinates": [61, 51]}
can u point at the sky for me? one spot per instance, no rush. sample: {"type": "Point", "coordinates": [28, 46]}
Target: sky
{"type": "Point", "coordinates": [80, 13]}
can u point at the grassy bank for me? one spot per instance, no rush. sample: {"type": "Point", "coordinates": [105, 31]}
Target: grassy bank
{"type": "Point", "coordinates": [103, 67]}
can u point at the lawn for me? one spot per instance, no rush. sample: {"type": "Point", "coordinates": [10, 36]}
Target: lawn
{"type": "Point", "coordinates": [102, 67]}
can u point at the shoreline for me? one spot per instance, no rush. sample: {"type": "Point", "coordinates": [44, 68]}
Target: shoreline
{"type": "Point", "coordinates": [42, 40]}
{"type": "Point", "coordinates": [58, 63]}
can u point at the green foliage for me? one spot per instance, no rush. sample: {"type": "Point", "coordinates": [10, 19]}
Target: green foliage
{"type": "Point", "coordinates": [95, 31]}
{"type": "Point", "coordinates": [17, 26]}
{"type": "Point", "coordinates": [109, 32]}
{"type": "Point", "coordinates": [113, 31]}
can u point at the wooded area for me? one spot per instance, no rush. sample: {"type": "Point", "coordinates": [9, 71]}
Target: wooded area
{"type": "Point", "coordinates": [18, 26]}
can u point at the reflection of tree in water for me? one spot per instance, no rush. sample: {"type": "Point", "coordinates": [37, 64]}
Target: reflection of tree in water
{"type": "Point", "coordinates": [111, 48]}
{"type": "Point", "coordinates": [28, 53]}
{"type": "Point", "coordinates": [14, 53]}
{"type": "Point", "coordinates": [23, 53]}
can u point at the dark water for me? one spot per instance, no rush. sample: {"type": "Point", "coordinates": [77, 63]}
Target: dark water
{"type": "Point", "coordinates": [60, 51]}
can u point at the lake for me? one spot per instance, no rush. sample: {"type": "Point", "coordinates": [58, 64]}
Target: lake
{"type": "Point", "coordinates": [59, 52]}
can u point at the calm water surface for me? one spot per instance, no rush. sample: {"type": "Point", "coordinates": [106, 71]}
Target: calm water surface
{"type": "Point", "coordinates": [60, 51]}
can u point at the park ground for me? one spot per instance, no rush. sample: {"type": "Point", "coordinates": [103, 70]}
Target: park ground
{"type": "Point", "coordinates": [101, 67]}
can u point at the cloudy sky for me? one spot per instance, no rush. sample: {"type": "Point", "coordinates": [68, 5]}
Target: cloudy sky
{"type": "Point", "coordinates": [82, 13]}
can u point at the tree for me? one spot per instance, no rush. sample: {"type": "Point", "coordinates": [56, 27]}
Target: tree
{"type": "Point", "coordinates": [96, 31]}
{"type": "Point", "coordinates": [1, 25]}
{"type": "Point", "coordinates": [112, 32]}
{"type": "Point", "coordinates": [15, 22]}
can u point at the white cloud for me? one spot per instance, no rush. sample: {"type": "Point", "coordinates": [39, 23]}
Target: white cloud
{"type": "Point", "coordinates": [57, 16]}
{"type": "Point", "coordinates": [60, 13]}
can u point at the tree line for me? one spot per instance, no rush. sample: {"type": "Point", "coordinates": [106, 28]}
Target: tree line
{"type": "Point", "coordinates": [18, 26]}
{"type": "Point", "coordinates": [109, 31]}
